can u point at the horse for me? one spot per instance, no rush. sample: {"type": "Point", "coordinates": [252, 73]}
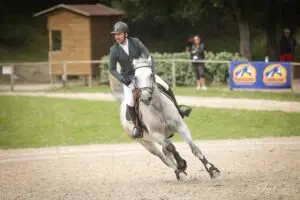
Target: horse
{"type": "Point", "coordinates": [160, 120]}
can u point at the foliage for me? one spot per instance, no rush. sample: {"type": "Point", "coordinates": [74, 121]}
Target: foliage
{"type": "Point", "coordinates": [216, 73]}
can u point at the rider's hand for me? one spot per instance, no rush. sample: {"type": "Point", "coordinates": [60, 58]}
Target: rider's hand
{"type": "Point", "coordinates": [126, 80]}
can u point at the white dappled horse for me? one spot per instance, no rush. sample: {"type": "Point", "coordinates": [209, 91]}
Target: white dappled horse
{"type": "Point", "coordinates": [161, 120]}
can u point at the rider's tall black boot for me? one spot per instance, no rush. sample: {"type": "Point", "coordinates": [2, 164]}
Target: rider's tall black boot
{"type": "Point", "coordinates": [181, 112]}
{"type": "Point", "coordinates": [136, 132]}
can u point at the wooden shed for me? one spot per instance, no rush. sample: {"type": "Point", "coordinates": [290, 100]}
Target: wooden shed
{"type": "Point", "coordinates": [79, 33]}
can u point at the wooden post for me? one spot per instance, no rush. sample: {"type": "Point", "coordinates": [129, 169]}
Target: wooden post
{"type": "Point", "coordinates": [12, 79]}
{"type": "Point", "coordinates": [50, 69]}
{"type": "Point", "coordinates": [292, 78]}
{"type": "Point", "coordinates": [64, 76]}
{"type": "Point", "coordinates": [229, 86]}
{"type": "Point", "coordinates": [90, 80]}
{"type": "Point", "coordinates": [173, 74]}
{"type": "Point", "coordinates": [9, 70]}
{"type": "Point", "coordinates": [85, 80]}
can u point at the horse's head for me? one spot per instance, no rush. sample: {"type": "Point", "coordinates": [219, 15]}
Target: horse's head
{"type": "Point", "coordinates": [144, 79]}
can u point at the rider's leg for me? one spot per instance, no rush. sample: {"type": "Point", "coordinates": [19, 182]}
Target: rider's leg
{"type": "Point", "coordinates": [162, 82]}
{"type": "Point", "coordinates": [171, 94]}
{"type": "Point", "coordinates": [128, 96]}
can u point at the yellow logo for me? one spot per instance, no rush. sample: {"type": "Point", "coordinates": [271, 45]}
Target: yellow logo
{"type": "Point", "coordinates": [275, 74]}
{"type": "Point", "coordinates": [244, 73]}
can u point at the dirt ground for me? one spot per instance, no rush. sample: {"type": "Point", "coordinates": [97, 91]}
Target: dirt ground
{"type": "Point", "coordinates": [266, 168]}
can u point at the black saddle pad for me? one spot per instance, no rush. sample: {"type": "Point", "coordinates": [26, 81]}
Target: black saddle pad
{"type": "Point", "coordinates": [128, 118]}
{"type": "Point", "coordinates": [163, 90]}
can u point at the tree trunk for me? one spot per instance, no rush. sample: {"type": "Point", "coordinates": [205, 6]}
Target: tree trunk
{"type": "Point", "coordinates": [272, 45]}
{"type": "Point", "coordinates": [272, 18]}
{"type": "Point", "coordinates": [240, 10]}
{"type": "Point", "coordinates": [245, 39]}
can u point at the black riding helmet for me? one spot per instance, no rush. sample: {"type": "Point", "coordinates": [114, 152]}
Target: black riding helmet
{"type": "Point", "coordinates": [120, 27]}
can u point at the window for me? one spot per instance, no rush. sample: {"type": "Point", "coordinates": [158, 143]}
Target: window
{"type": "Point", "coordinates": [56, 40]}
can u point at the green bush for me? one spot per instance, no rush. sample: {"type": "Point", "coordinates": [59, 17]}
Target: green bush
{"type": "Point", "coordinates": [216, 73]}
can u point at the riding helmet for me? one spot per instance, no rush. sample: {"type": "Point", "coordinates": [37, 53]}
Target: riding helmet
{"type": "Point", "coordinates": [120, 27]}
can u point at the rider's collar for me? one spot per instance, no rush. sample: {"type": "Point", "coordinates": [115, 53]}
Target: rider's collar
{"type": "Point", "coordinates": [125, 43]}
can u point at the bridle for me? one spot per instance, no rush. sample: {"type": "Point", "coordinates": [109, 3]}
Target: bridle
{"type": "Point", "coordinates": [150, 89]}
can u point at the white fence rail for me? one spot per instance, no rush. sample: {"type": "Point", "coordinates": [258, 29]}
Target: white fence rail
{"type": "Point", "coordinates": [41, 72]}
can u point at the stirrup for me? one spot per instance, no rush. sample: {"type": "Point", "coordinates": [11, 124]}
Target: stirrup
{"type": "Point", "coordinates": [135, 134]}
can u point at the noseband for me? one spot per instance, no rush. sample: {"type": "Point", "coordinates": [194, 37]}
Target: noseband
{"type": "Point", "coordinates": [149, 89]}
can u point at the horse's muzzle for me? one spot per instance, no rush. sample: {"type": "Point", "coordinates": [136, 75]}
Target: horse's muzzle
{"type": "Point", "coordinates": [146, 96]}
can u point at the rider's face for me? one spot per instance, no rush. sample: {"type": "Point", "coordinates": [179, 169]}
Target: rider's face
{"type": "Point", "coordinates": [119, 37]}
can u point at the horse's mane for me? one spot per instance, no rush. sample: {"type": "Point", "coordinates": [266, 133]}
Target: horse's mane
{"type": "Point", "coordinates": [141, 62]}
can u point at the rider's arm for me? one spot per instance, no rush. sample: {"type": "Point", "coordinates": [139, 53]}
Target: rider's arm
{"type": "Point", "coordinates": [113, 65]}
{"type": "Point", "coordinates": [143, 50]}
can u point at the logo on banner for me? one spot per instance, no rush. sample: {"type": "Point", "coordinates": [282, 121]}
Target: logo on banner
{"type": "Point", "coordinates": [275, 74]}
{"type": "Point", "coordinates": [244, 74]}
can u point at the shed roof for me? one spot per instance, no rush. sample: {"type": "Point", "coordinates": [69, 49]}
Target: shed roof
{"type": "Point", "coordinates": [84, 9]}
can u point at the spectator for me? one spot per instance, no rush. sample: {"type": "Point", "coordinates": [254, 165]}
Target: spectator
{"type": "Point", "coordinates": [189, 43]}
{"type": "Point", "coordinates": [287, 46]}
{"type": "Point", "coordinates": [197, 54]}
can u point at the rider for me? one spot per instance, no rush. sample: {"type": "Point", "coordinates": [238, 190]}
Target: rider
{"type": "Point", "coordinates": [124, 51]}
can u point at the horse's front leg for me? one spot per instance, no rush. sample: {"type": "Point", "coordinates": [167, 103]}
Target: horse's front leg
{"type": "Point", "coordinates": [168, 147]}
{"type": "Point", "coordinates": [170, 150]}
{"type": "Point", "coordinates": [186, 134]}
{"type": "Point", "coordinates": [150, 146]}
{"type": "Point", "coordinates": [168, 154]}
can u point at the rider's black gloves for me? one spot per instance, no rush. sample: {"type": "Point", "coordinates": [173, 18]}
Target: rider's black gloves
{"type": "Point", "coordinates": [126, 80]}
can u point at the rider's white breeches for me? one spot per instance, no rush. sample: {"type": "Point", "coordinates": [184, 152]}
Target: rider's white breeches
{"type": "Point", "coordinates": [128, 96]}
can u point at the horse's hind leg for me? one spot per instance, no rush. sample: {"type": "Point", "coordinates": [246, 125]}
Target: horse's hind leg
{"type": "Point", "coordinates": [210, 168]}
{"type": "Point", "coordinates": [150, 146]}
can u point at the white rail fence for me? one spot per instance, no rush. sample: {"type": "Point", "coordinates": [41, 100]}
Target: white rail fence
{"type": "Point", "coordinates": [39, 75]}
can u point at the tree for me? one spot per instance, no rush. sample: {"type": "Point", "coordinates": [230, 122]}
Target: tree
{"type": "Point", "coordinates": [270, 24]}
{"type": "Point", "coordinates": [248, 16]}
{"type": "Point", "coordinates": [241, 14]}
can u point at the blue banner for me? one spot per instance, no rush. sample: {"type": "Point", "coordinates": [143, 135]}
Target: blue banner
{"type": "Point", "coordinates": [259, 75]}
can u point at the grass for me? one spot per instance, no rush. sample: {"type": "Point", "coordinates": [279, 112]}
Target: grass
{"type": "Point", "coordinates": [37, 122]}
{"type": "Point", "coordinates": [221, 91]}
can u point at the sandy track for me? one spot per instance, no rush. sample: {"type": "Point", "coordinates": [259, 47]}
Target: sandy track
{"type": "Point", "coordinates": [266, 168]}
{"type": "Point", "coordinates": [210, 102]}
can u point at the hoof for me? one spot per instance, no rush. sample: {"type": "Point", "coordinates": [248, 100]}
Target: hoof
{"type": "Point", "coordinates": [181, 165]}
{"type": "Point", "coordinates": [177, 173]}
{"type": "Point", "coordinates": [214, 172]}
